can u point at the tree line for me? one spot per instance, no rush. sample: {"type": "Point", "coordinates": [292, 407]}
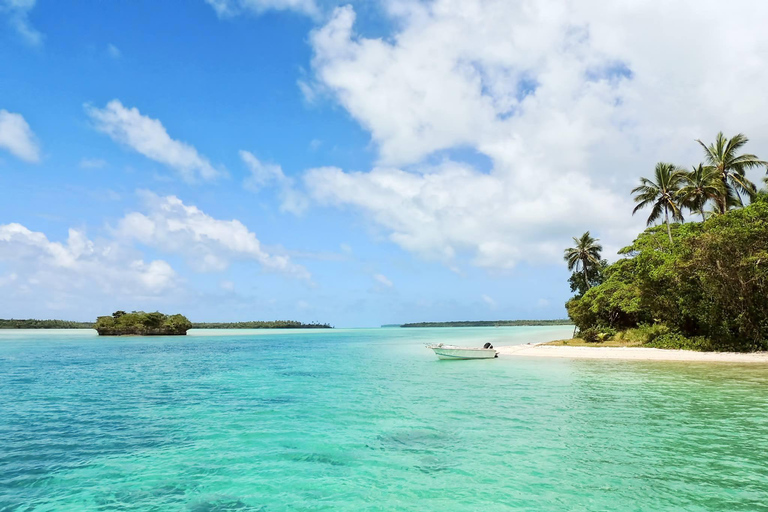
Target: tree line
{"type": "Point", "coordinates": [275, 324]}
{"type": "Point", "coordinates": [701, 285]}
{"type": "Point", "coordinates": [67, 324]}
{"type": "Point", "coordinates": [490, 323]}
{"type": "Point", "coordinates": [31, 323]}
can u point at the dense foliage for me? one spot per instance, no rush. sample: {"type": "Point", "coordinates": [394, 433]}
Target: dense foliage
{"type": "Point", "coordinates": [43, 324]}
{"type": "Point", "coordinates": [595, 274]}
{"type": "Point", "coordinates": [141, 323]}
{"type": "Point", "coordinates": [708, 289]}
{"type": "Point", "coordinates": [276, 324]}
{"type": "Point", "coordinates": [496, 323]}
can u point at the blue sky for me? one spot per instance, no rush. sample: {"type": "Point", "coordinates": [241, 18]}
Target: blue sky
{"type": "Point", "coordinates": [354, 164]}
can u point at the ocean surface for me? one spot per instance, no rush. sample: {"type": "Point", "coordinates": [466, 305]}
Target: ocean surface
{"type": "Point", "coordinates": [368, 419]}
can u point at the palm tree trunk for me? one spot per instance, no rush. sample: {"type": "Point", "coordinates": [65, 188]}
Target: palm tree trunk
{"type": "Point", "coordinates": [701, 211]}
{"type": "Point", "coordinates": [723, 201]}
{"type": "Point", "coordinates": [584, 271]}
{"type": "Point", "coordinates": [669, 230]}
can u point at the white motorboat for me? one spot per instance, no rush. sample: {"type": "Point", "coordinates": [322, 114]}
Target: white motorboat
{"type": "Point", "coordinates": [454, 352]}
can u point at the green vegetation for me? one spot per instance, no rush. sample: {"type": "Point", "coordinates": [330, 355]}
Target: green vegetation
{"type": "Point", "coordinates": [43, 324]}
{"type": "Point", "coordinates": [496, 323]}
{"type": "Point", "coordinates": [580, 342]}
{"type": "Point", "coordinates": [662, 194]}
{"type": "Point", "coordinates": [111, 322]}
{"type": "Point", "coordinates": [723, 159]}
{"type": "Point", "coordinates": [142, 324]}
{"type": "Point", "coordinates": [276, 324]}
{"type": "Point", "coordinates": [697, 286]}
{"type": "Point", "coordinates": [585, 255]}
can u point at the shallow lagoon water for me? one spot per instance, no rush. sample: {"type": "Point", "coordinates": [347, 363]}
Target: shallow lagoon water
{"type": "Point", "coordinates": [368, 419]}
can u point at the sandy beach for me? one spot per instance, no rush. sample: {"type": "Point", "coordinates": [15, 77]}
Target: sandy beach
{"type": "Point", "coordinates": [630, 353]}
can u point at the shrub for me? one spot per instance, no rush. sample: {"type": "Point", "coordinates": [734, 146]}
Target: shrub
{"type": "Point", "coordinates": [649, 332]}
{"type": "Point", "coordinates": [606, 334]}
{"type": "Point", "coordinates": [597, 334]}
{"type": "Point", "coordinates": [675, 340]}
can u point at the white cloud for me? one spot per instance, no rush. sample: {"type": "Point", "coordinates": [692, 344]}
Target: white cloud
{"type": "Point", "coordinates": [208, 243]}
{"type": "Point", "coordinates": [79, 266]}
{"type": "Point", "coordinates": [18, 18]}
{"type": "Point", "coordinates": [17, 137]}
{"type": "Point", "coordinates": [113, 51]}
{"type": "Point", "coordinates": [149, 137]}
{"type": "Point", "coordinates": [267, 175]}
{"type": "Point", "coordinates": [85, 276]}
{"type": "Point", "coordinates": [453, 208]}
{"type": "Point", "coordinates": [569, 102]}
{"type": "Point", "coordinates": [382, 279]}
{"type": "Point", "coordinates": [228, 8]}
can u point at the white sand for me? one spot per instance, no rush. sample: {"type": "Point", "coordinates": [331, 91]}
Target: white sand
{"type": "Point", "coordinates": [630, 353]}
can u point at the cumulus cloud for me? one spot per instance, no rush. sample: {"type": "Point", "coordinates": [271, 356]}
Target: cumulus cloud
{"type": "Point", "coordinates": [78, 266]}
{"type": "Point", "coordinates": [228, 8]}
{"type": "Point", "coordinates": [453, 208]}
{"type": "Point", "coordinates": [18, 17]}
{"type": "Point", "coordinates": [149, 137]}
{"type": "Point", "coordinates": [209, 244]}
{"type": "Point", "coordinates": [17, 137]}
{"type": "Point", "coordinates": [83, 275]}
{"type": "Point", "coordinates": [263, 175]}
{"type": "Point", "coordinates": [568, 102]}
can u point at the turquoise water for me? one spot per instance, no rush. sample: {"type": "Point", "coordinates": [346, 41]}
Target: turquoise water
{"type": "Point", "coordinates": [354, 420]}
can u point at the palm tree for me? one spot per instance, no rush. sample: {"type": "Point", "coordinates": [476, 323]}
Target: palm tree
{"type": "Point", "coordinates": [701, 185]}
{"type": "Point", "coordinates": [731, 167]}
{"type": "Point", "coordinates": [584, 255]}
{"type": "Point", "coordinates": [662, 194]}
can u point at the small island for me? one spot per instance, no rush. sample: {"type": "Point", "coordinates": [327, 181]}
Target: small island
{"type": "Point", "coordinates": [139, 323]}
{"type": "Point", "coordinates": [690, 284]}
{"type": "Point", "coordinates": [260, 324]}
{"type": "Point", "coordinates": [491, 323]}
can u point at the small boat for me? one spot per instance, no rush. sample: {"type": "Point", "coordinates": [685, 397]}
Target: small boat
{"type": "Point", "coordinates": [454, 352]}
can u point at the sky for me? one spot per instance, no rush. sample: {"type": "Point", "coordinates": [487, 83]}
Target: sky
{"type": "Point", "coordinates": [363, 163]}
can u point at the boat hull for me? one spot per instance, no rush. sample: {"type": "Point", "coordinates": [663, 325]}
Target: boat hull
{"type": "Point", "coordinates": [463, 353]}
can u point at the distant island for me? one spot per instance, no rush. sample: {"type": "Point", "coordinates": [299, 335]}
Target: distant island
{"type": "Point", "coordinates": [31, 323]}
{"type": "Point", "coordinates": [276, 324]}
{"type": "Point", "coordinates": [139, 323]}
{"type": "Point", "coordinates": [491, 323]}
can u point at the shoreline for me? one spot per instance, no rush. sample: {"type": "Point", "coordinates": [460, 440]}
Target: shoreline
{"type": "Point", "coordinates": [629, 354]}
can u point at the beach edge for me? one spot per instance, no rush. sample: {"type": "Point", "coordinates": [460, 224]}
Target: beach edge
{"type": "Point", "coordinates": [629, 354]}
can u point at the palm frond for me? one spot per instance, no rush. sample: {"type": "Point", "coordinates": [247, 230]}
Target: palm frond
{"type": "Point", "coordinates": [656, 212]}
